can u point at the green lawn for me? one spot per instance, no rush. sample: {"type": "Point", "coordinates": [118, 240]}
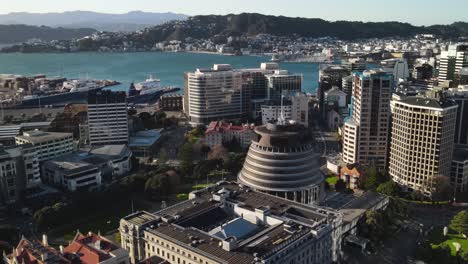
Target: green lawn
{"type": "Point", "coordinates": [437, 239]}
{"type": "Point", "coordinates": [104, 221]}
{"type": "Point", "coordinates": [201, 186]}
{"type": "Point", "coordinates": [331, 179]}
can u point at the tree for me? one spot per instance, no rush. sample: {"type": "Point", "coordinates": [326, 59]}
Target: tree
{"type": "Point", "coordinates": [441, 188]}
{"type": "Point", "coordinates": [162, 156]}
{"type": "Point", "coordinates": [374, 225]}
{"type": "Point", "coordinates": [389, 188]}
{"type": "Point", "coordinates": [340, 185]}
{"type": "Point", "coordinates": [373, 180]}
{"type": "Point", "coordinates": [459, 222]}
{"type": "Point", "coordinates": [153, 187]}
{"type": "Point", "coordinates": [186, 159]}
{"type": "Point", "coordinates": [147, 119]}
{"type": "Point", "coordinates": [233, 145]}
{"type": "Point", "coordinates": [218, 152]}
{"type": "Point", "coordinates": [234, 163]}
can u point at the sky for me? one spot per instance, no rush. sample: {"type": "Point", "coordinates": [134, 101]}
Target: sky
{"type": "Point", "coordinates": [418, 12]}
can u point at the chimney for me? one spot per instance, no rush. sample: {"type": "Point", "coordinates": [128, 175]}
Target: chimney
{"type": "Point", "coordinates": [45, 241]}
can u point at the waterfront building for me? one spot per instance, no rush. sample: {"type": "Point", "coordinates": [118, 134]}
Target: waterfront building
{"type": "Point", "coordinates": [365, 132]}
{"type": "Point", "coordinates": [171, 102]}
{"type": "Point", "coordinates": [107, 118]}
{"type": "Point", "coordinates": [452, 61]}
{"type": "Point", "coordinates": [459, 170]}
{"type": "Point", "coordinates": [216, 94]}
{"type": "Point", "coordinates": [283, 83]}
{"type": "Point", "coordinates": [259, 81]}
{"type": "Point", "coordinates": [48, 145]}
{"type": "Point", "coordinates": [422, 142]}
{"type": "Point", "coordinates": [219, 132]}
{"type": "Point", "coordinates": [229, 223]}
{"type": "Point", "coordinates": [282, 161]}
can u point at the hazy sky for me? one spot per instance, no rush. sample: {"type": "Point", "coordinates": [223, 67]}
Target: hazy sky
{"type": "Point", "coordinates": [413, 11]}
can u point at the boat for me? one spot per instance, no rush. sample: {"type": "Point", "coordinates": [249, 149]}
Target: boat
{"type": "Point", "coordinates": [149, 86]}
{"type": "Point", "coordinates": [72, 91]}
{"type": "Point", "coordinates": [73, 86]}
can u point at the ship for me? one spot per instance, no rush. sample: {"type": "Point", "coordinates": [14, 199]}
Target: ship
{"type": "Point", "coordinates": [72, 91]}
{"type": "Point", "coordinates": [149, 86]}
{"type": "Point", "coordinates": [136, 98]}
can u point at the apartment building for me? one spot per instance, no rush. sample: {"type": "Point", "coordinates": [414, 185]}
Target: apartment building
{"type": "Point", "coordinates": [366, 131]}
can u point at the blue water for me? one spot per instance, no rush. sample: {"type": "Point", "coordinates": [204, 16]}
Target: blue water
{"type": "Point", "coordinates": [128, 67]}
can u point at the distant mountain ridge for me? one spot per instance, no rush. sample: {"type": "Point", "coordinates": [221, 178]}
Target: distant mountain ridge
{"type": "Point", "coordinates": [252, 24]}
{"type": "Point", "coordinates": [10, 34]}
{"type": "Point", "coordinates": [131, 21]}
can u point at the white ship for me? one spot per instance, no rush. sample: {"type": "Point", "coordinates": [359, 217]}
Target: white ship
{"type": "Point", "coordinates": [79, 86]}
{"type": "Point", "coordinates": [149, 86]}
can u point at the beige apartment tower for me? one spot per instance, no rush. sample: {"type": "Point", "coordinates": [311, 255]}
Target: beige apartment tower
{"type": "Point", "coordinates": [423, 130]}
{"type": "Point", "coordinates": [365, 136]}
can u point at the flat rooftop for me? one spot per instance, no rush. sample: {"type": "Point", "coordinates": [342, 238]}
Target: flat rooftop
{"type": "Point", "coordinates": [37, 136]}
{"type": "Point", "coordinates": [228, 213]}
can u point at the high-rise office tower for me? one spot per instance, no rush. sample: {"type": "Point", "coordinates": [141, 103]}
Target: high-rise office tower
{"type": "Point", "coordinates": [422, 140]}
{"type": "Point", "coordinates": [283, 83]}
{"type": "Point", "coordinates": [365, 139]}
{"type": "Point", "coordinates": [283, 162]}
{"type": "Point", "coordinates": [215, 94]}
{"type": "Point", "coordinates": [452, 61]}
{"type": "Point", "coordinates": [460, 96]}
{"type": "Point", "coordinates": [107, 118]}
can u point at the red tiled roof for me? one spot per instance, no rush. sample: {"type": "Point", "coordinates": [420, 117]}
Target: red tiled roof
{"type": "Point", "coordinates": [30, 252]}
{"type": "Point", "coordinates": [220, 126]}
{"type": "Point", "coordinates": [85, 247]}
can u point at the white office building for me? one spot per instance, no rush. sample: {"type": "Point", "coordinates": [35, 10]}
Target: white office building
{"type": "Point", "coordinates": [422, 140]}
{"type": "Point", "coordinates": [48, 145]}
{"type": "Point", "coordinates": [452, 61]}
{"type": "Point", "coordinates": [215, 94]}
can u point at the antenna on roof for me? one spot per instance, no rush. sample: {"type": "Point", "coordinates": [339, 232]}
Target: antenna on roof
{"type": "Point", "coordinates": [281, 119]}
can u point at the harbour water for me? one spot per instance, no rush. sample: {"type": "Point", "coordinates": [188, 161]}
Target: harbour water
{"type": "Point", "coordinates": [136, 67]}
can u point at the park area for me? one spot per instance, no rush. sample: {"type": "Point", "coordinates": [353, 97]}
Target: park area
{"type": "Point", "coordinates": [453, 240]}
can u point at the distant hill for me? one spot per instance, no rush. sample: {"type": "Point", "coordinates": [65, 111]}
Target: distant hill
{"type": "Point", "coordinates": [21, 33]}
{"type": "Point", "coordinates": [253, 24]}
{"type": "Point", "coordinates": [131, 21]}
